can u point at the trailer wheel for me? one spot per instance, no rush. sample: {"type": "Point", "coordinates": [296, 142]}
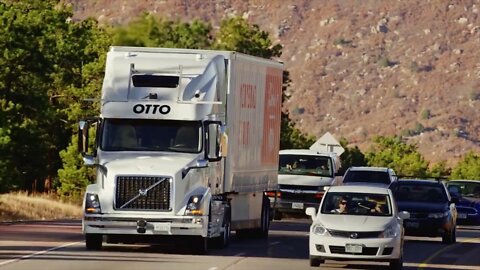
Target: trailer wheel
{"type": "Point", "coordinates": [262, 232]}
{"type": "Point", "coordinates": [93, 241]}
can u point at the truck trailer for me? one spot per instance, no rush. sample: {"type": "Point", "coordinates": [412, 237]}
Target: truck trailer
{"type": "Point", "coordinates": [186, 147]}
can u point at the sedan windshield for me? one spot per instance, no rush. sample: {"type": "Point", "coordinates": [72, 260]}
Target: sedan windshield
{"type": "Point", "coordinates": [151, 135]}
{"type": "Point", "coordinates": [466, 188]}
{"type": "Point", "coordinates": [305, 165]}
{"type": "Point", "coordinates": [420, 193]}
{"type": "Point", "coordinates": [365, 204]}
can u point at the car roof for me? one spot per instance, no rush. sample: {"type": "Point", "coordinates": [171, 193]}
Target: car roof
{"type": "Point", "coordinates": [463, 181]}
{"type": "Point", "coordinates": [359, 188]}
{"type": "Point", "coordinates": [365, 168]}
{"type": "Point", "coordinates": [418, 182]}
{"type": "Point", "coordinates": [368, 184]}
{"type": "Point", "coordinates": [306, 152]}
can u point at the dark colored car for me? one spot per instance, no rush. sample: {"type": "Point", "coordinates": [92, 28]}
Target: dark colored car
{"type": "Point", "coordinates": [432, 210]}
{"type": "Point", "coordinates": [468, 205]}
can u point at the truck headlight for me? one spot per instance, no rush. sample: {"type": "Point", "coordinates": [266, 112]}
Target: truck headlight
{"type": "Point", "coordinates": [92, 204]}
{"type": "Point", "coordinates": [194, 206]}
{"type": "Point", "coordinates": [319, 229]}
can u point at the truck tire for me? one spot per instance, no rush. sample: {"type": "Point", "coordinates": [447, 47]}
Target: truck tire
{"type": "Point", "coordinates": [277, 215]}
{"type": "Point", "coordinates": [201, 245]}
{"type": "Point", "coordinates": [93, 241]}
{"type": "Point", "coordinates": [262, 232]}
{"type": "Point", "coordinates": [224, 239]}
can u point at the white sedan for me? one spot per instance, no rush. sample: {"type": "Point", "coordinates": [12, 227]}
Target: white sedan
{"type": "Point", "coordinates": [357, 222]}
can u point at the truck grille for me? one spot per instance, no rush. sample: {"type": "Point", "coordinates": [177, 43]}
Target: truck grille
{"type": "Point", "coordinates": [142, 193]}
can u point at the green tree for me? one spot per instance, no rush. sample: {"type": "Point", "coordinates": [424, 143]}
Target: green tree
{"type": "Point", "coordinates": [351, 157]}
{"type": "Point", "coordinates": [439, 170]}
{"type": "Point", "coordinates": [403, 158]}
{"type": "Point", "coordinates": [32, 35]}
{"type": "Point", "coordinates": [468, 168]}
{"type": "Point", "coordinates": [149, 31]}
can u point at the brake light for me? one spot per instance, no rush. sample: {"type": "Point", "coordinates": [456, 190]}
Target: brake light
{"type": "Point", "coordinates": [319, 195]}
{"type": "Point", "coordinates": [271, 194]}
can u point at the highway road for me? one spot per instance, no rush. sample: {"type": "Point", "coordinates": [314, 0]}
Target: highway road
{"type": "Point", "coordinates": [59, 245]}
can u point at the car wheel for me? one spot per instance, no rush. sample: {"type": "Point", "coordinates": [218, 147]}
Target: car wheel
{"type": "Point", "coordinates": [454, 235]}
{"type": "Point", "coordinates": [93, 241]}
{"type": "Point", "coordinates": [449, 237]}
{"type": "Point", "coordinates": [397, 264]}
{"type": "Point", "coordinates": [315, 261]}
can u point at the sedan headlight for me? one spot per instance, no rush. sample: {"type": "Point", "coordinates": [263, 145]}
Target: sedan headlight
{"type": "Point", "coordinates": [194, 206]}
{"type": "Point", "coordinates": [390, 232]}
{"type": "Point", "coordinates": [438, 215]}
{"type": "Point", "coordinates": [319, 229]}
{"type": "Point", "coordinates": [92, 204]}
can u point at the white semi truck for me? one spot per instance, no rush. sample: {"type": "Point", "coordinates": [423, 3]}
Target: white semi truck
{"type": "Point", "coordinates": [186, 147]}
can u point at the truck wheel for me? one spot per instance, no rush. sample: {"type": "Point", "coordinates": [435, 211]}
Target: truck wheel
{"type": "Point", "coordinates": [93, 241]}
{"type": "Point", "coordinates": [262, 232]}
{"type": "Point", "coordinates": [265, 218]}
{"type": "Point", "coordinates": [201, 245]}
{"type": "Point", "coordinates": [277, 215]}
{"type": "Point", "coordinates": [224, 239]}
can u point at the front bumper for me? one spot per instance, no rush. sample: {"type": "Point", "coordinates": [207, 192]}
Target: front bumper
{"type": "Point", "coordinates": [185, 225]}
{"type": "Point", "coordinates": [376, 249]}
{"type": "Point", "coordinates": [468, 216]}
{"type": "Point", "coordinates": [431, 227]}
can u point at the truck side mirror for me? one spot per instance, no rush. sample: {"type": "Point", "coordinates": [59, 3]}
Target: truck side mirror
{"type": "Point", "coordinates": [212, 141]}
{"type": "Point", "coordinates": [83, 127]}
{"type": "Point", "coordinates": [83, 140]}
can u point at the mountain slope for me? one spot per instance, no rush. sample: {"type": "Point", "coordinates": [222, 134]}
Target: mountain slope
{"type": "Point", "coordinates": [359, 68]}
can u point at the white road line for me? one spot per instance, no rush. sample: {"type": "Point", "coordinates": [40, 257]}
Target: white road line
{"type": "Point", "coordinates": [37, 253]}
{"type": "Point", "coordinates": [441, 266]}
{"type": "Point", "coordinates": [240, 254]}
{"type": "Point", "coordinates": [274, 243]}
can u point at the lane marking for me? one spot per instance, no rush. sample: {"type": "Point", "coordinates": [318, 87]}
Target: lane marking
{"type": "Point", "coordinates": [274, 243]}
{"type": "Point", "coordinates": [442, 266]}
{"type": "Point", "coordinates": [38, 253]}
{"type": "Point", "coordinates": [426, 263]}
{"type": "Point", "coordinates": [241, 254]}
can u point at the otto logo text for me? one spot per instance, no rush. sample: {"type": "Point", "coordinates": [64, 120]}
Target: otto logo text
{"type": "Point", "coordinates": [151, 109]}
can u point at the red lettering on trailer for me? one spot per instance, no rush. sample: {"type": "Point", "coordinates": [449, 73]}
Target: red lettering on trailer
{"type": "Point", "coordinates": [244, 132]}
{"type": "Point", "coordinates": [271, 116]}
{"type": "Point", "coordinates": [248, 96]}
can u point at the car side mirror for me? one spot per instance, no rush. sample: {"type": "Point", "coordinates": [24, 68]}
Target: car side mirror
{"type": "Point", "coordinates": [312, 212]}
{"type": "Point", "coordinates": [455, 199]}
{"type": "Point", "coordinates": [404, 215]}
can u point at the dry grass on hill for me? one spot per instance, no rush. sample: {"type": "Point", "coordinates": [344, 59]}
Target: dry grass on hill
{"type": "Point", "coordinates": [21, 207]}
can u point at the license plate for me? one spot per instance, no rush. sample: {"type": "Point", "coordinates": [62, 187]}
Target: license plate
{"type": "Point", "coordinates": [297, 205]}
{"type": "Point", "coordinates": [412, 224]}
{"type": "Point", "coordinates": [462, 216]}
{"type": "Point", "coordinates": [161, 227]}
{"type": "Point", "coordinates": [351, 248]}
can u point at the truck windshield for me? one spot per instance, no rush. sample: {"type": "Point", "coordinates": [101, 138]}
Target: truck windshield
{"type": "Point", "coordinates": [305, 165]}
{"type": "Point", "coordinates": [151, 135]}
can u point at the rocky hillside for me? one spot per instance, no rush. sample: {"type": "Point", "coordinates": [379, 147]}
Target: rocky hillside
{"type": "Point", "coordinates": [359, 68]}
